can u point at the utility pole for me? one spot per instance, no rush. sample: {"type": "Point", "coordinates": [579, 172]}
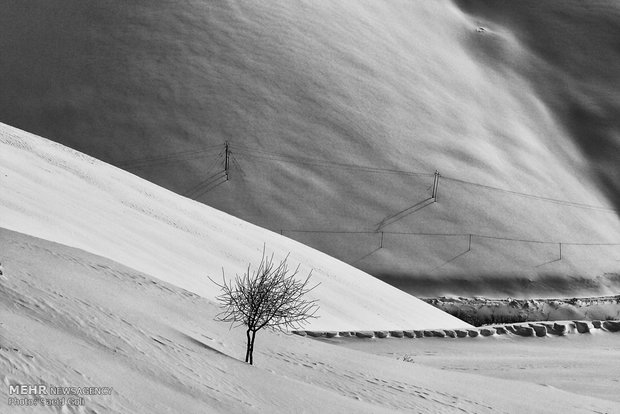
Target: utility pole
{"type": "Point", "coordinates": [226, 159]}
{"type": "Point", "coordinates": [435, 186]}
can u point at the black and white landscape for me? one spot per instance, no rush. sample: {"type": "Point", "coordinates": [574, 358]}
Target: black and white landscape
{"type": "Point", "coordinates": [396, 149]}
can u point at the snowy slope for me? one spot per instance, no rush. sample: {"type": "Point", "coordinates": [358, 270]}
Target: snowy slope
{"type": "Point", "coordinates": [73, 319]}
{"type": "Point", "coordinates": [513, 95]}
{"type": "Point", "coordinates": [58, 194]}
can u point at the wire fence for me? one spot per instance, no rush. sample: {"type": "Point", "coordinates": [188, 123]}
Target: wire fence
{"type": "Point", "coordinates": [245, 151]}
{"type": "Point", "coordinates": [469, 235]}
{"type": "Point", "coordinates": [217, 173]}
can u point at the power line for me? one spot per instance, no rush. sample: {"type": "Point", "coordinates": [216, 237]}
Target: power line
{"type": "Point", "coordinates": [532, 196]}
{"type": "Point", "coordinates": [431, 234]}
{"type": "Point", "coordinates": [393, 218]}
{"type": "Point", "coordinates": [469, 236]}
{"type": "Point", "coordinates": [279, 157]}
{"type": "Point", "coordinates": [207, 184]}
{"type": "Point", "coordinates": [177, 156]}
{"type": "Point", "coordinates": [264, 155]}
{"type": "Point", "coordinates": [327, 164]}
{"type": "Point", "coordinates": [330, 231]}
{"type": "Point", "coordinates": [214, 180]}
{"type": "Point", "coordinates": [234, 160]}
{"type": "Point", "coordinates": [271, 156]}
{"type": "Point", "coordinates": [513, 239]}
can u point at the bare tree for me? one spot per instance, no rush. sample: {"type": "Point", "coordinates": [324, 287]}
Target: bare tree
{"type": "Point", "coordinates": [269, 297]}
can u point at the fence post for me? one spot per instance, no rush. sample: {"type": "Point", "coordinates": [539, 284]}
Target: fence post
{"type": "Point", "coordinates": [435, 186]}
{"type": "Point", "coordinates": [226, 159]}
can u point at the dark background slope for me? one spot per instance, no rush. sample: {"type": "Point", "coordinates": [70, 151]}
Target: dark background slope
{"type": "Point", "coordinates": [326, 104]}
{"type": "Point", "coordinates": [577, 67]}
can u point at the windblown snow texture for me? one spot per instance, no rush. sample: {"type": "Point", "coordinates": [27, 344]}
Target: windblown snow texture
{"type": "Point", "coordinates": [327, 105]}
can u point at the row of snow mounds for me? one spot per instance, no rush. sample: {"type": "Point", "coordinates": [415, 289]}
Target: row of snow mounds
{"type": "Point", "coordinates": [537, 329]}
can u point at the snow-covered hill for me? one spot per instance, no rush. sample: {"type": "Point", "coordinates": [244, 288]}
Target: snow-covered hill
{"type": "Point", "coordinates": [73, 319]}
{"type": "Point", "coordinates": [325, 106]}
{"type": "Point", "coordinates": [55, 193]}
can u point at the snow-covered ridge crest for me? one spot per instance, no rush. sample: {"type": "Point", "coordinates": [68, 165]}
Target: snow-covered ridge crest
{"type": "Point", "coordinates": [58, 194]}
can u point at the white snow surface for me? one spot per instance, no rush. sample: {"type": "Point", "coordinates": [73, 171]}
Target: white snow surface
{"type": "Point", "coordinates": [73, 319]}
{"type": "Point", "coordinates": [528, 105]}
{"type": "Point", "coordinates": [58, 194]}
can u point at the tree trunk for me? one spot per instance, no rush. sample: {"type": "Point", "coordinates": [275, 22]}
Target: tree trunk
{"type": "Point", "coordinates": [252, 348]}
{"type": "Point", "coordinates": [248, 346]}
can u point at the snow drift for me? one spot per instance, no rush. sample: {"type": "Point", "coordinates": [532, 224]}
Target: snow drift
{"type": "Point", "coordinates": [55, 193]}
{"type": "Point", "coordinates": [515, 96]}
{"type": "Point", "coordinates": [73, 319]}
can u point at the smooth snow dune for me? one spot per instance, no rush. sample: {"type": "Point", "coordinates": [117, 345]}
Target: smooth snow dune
{"type": "Point", "coordinates": [58, 194]}
{"type": "Point", "coordinates": [73, 319]}
{"type": "Point", "coordinates": [326, 103]}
